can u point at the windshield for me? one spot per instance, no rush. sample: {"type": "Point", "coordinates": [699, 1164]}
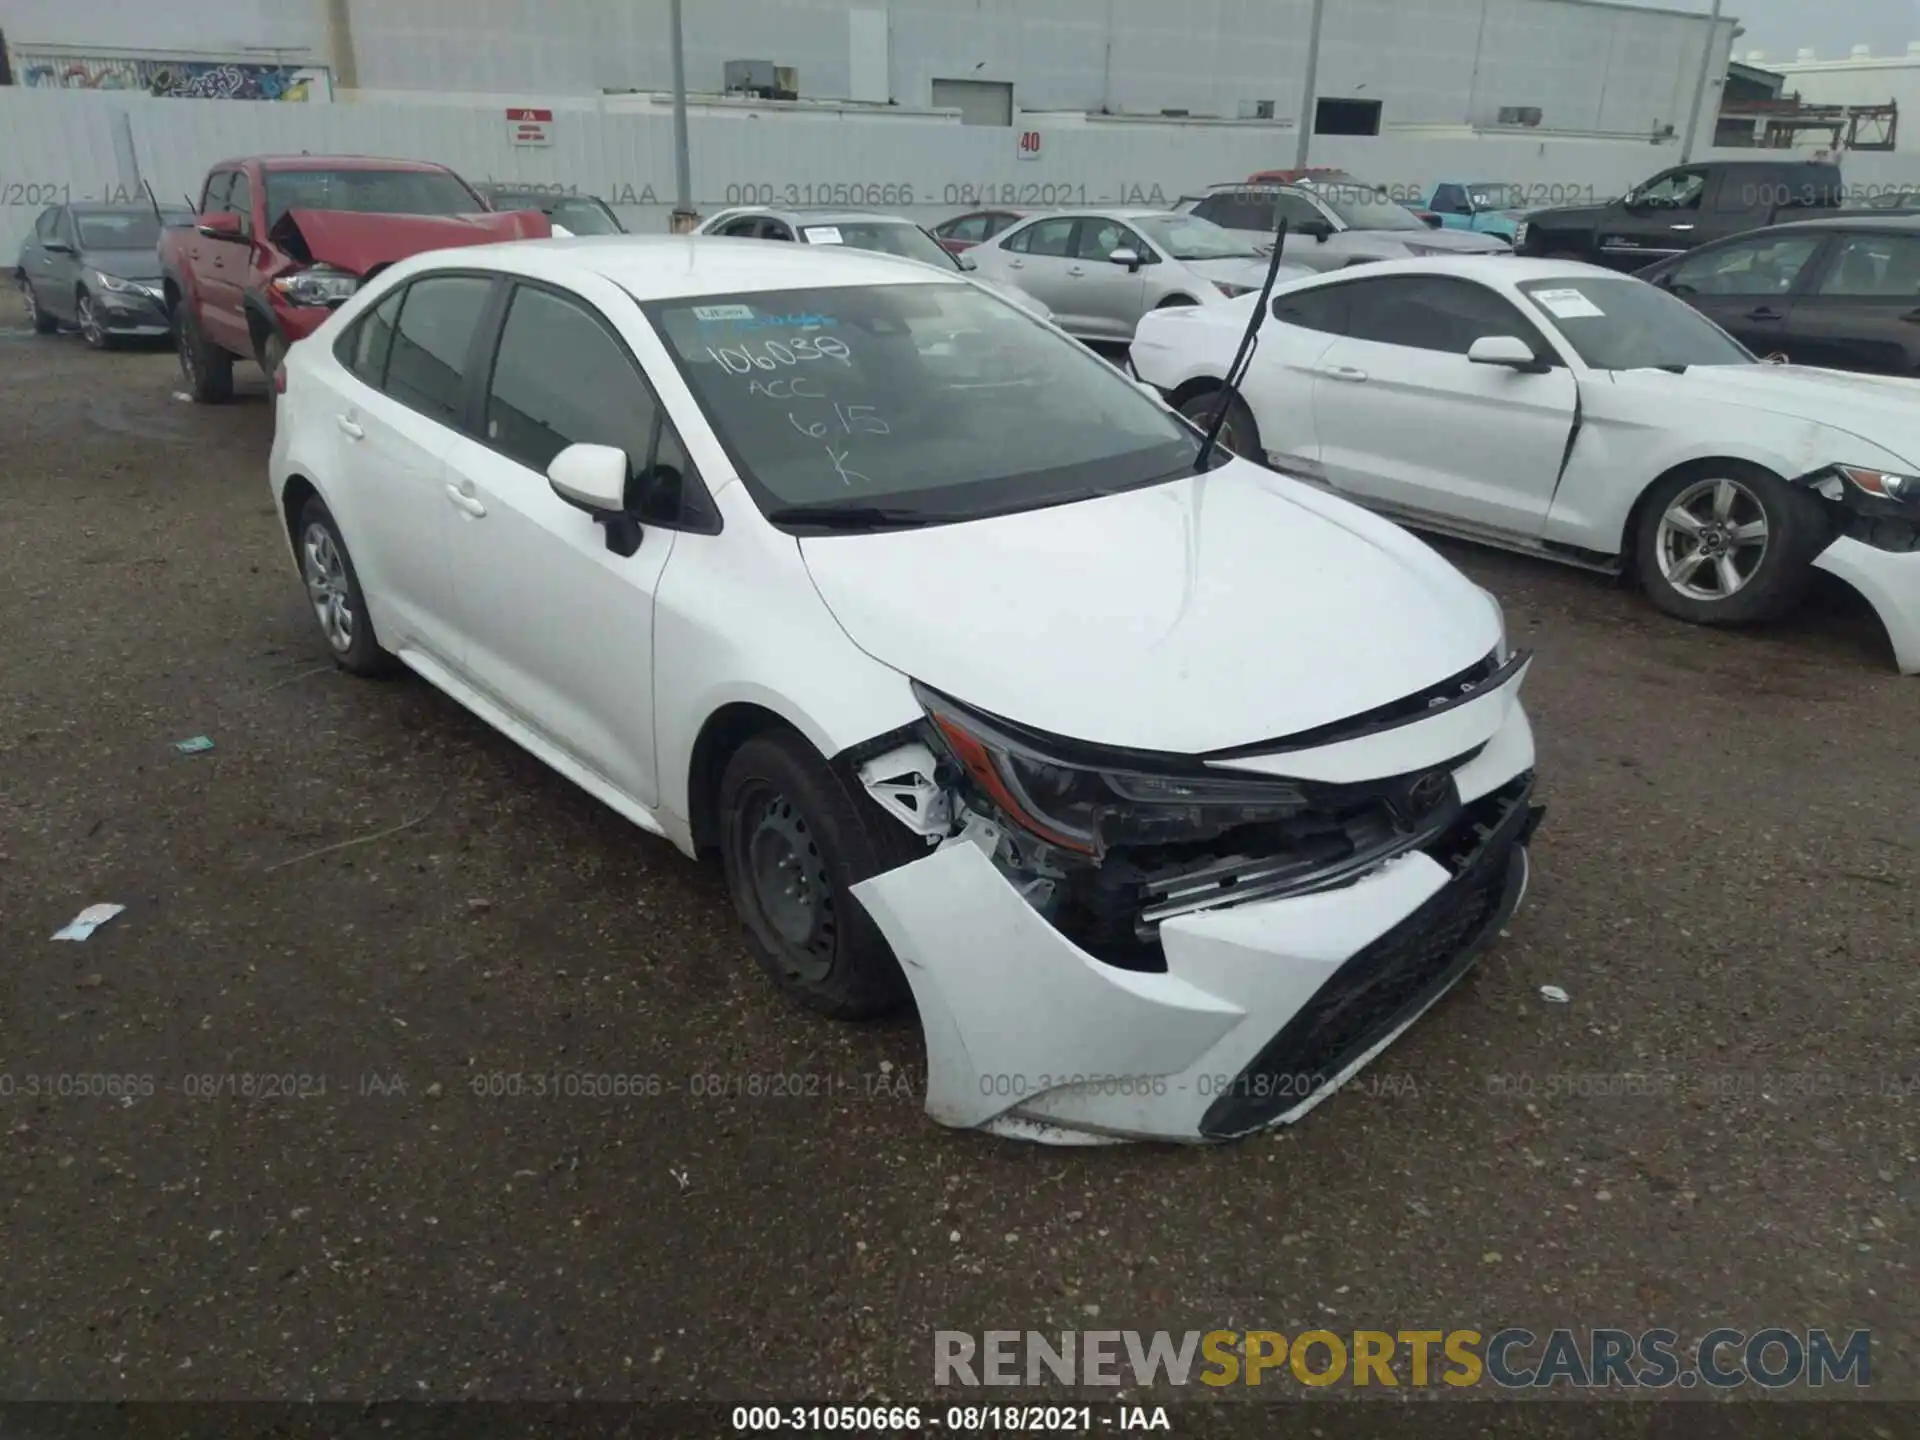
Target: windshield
{"type": "Point", "coordinates": [1188, 237]}
{"type": "Point", "coordinates": [369, 192]}
{"type": "Point", "coordinates": [584, 217]}
{"type": "Point", "coordinates": [127, 229]}
{"type": "Point", "coordinates": [1495, 197]}
{"type": "Point", "coordinates": [1366, 207]}
{"type": "Point", "coordinates": [886, 237]}
{"type": "Point", "coordinates": [1626, 324]}
{"type": "Point", "coordinates": [886, 396]}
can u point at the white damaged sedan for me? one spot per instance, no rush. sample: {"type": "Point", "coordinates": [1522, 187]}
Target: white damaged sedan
{"type": "Point", "coordinates": [1168, 790]}
{"type": "Point", "coordinates": [1577, 414]}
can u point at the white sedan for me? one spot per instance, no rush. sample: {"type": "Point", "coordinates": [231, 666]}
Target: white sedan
{"type": "Point", "coordinates": [1578, 414]}
{"type": "Point", "coordinates": [924, 619]}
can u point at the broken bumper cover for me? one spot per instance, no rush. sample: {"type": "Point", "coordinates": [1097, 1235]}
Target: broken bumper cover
{"type": "Point", "coordinates": [1890, 582]}
{"type": "Point", "coordinates": [1264, 1008]}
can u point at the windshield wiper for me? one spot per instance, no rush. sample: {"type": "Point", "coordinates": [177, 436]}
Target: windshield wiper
{"type": "Point", "coordinates": [857, 517]}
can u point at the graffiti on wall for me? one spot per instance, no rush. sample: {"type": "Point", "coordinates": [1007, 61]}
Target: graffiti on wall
{"type": "Point", "coordinates": [185, 79]}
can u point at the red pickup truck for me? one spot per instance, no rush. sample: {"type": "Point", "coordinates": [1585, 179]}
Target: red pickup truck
{"type": "Point", "coordinates": [281, 240]}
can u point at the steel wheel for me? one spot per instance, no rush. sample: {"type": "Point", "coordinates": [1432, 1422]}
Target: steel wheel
{"type": "Point", "coordinates": [33, 305]}
{"type": "Point", "coordinates": [90, 328]}
{"type": "Point", "coordinates": [789, 880]}
{"type": "Point", "coordinates": [1712, 539]}
{"type": "Point", "coordinates": [326, 577]}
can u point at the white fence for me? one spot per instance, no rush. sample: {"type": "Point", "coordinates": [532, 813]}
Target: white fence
{"type": "Point", "coordinates": [58, 145]}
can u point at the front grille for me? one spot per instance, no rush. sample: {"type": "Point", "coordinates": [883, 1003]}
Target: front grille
{"type": "Point", "coordinates": [1366, 998]}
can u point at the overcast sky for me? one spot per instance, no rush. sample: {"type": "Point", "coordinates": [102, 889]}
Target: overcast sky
{"type": "Point", "coordinates": [1827, 27]}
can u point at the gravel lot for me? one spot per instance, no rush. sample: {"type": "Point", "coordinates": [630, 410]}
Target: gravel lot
{"type": "Point", "coordinates": [1725, 885]}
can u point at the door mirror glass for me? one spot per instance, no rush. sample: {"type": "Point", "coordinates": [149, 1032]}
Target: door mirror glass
{"type": "Point", "coordinates": [1508, 350]}
{"type": "Point", "coordinates": [1126, 256]}
{"type": "Point", "coordinates": [222, 225]}
{"type": "Point", "coordinates": [592, 478]}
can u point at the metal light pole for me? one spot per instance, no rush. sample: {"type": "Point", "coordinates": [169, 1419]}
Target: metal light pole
{"type": "Point", "coordinates": [684, 215]}
{"type": "Point", "coordinates": [1707, 53]}
{"type": "Point", "coordinates": [1304, 136]}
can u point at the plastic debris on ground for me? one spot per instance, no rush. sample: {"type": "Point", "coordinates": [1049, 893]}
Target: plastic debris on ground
{"type": "Point", "coordinates": [199, 744]}
{"type": "Point", "coordinates": [1554, 995]}
{"type": "Point", "coordinates": [87, 921]}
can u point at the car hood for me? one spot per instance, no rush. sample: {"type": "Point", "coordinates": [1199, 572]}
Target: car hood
{"type": "Point", "coordinates": [1468, 242]}
{"type": "Point", "coordinates": [357, 242]}
{"type": "Point", "coordinates": [1883, 410]}
{"type": "Point", "coordinates": [127, 264]}
{"type": "Point", "coordinates": [1208, 612]}
{"type": "Point", "coordinates": [1251, 273]}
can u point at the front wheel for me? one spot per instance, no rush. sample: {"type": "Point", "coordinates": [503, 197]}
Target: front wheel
{"type": "Point", "coordinates": [794, 843]}
{"type": "Point", "coordinates": [1724, 543]}
{"type": "Point", "coordinates": [87, 315]}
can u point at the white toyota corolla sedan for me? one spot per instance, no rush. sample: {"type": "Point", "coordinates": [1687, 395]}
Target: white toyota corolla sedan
{"type": "Point", "coordinates": [1577, 414]}
{"type": "Point", "coordinates": [1168, 794]}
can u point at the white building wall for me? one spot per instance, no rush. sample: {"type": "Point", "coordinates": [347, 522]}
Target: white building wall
{"type": "Point", "coordinates": [1588, 66]}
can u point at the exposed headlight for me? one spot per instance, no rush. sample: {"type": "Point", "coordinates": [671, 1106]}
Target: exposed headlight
{"type": "Point", "coordinates": [121, 286]}
{"type": "Point", "coordinates": [1088, 807]}
{"type": "Point", "coordinates": [1882, 484]}
{"type": "Point", "coordinates": [1230, 290]}
{"type": "Point", "coordinates": [318, 285]}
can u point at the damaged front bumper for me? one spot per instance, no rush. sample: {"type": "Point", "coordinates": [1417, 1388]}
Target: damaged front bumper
{"type": "Point", "coordinates": [1889, 581]}
{"type": "Point", "coordinates": [1255, 1009]}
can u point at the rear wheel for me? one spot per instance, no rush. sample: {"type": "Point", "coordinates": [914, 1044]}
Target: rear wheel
{"type": "Point", "coordinates": [1725, 542]}
{"type": "Point", "coordinates": [208, 370]}
{"type": "Point", "coordinates": [1239, 434]}
{"type": "Point", "coordinates": [794, 842]}
{"type": "Point", "coordinates": [42, 323]}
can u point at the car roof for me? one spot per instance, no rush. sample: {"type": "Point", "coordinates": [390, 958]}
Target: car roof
{"type": "Point", "coordinates": [1498, 269]}
{"type": "Point", "coordinates": [1850, 220]}
{"type": "Point", "coordinates": [664, 267]}
{"type": "Point", "coordinates": [821, 215]}
{"type": "Point", "coordinates": [1107, 212]}
{"type": "Point", "coordinates": [124, 207]}
{"type": "Point", "coordinates": [331, 162]}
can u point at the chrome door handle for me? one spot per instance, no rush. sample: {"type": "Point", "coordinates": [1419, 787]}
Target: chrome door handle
{"type": "Point", "coordinates": [348, 428]}
{"type": "Point", "coordinates": [469, 503]}
{"type": "Point", "coordinates": [1344, 372]}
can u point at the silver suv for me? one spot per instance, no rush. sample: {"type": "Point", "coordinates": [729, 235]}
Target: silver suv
{"type": "Point", "coordinates": [1333, 220]}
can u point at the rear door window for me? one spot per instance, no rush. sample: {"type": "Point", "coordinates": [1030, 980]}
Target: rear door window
{"type": "Point", "coordinates": [427, 365]}
{"type": "Point", "coordinates": [365, 348]}
{"type": "Point", "coordinates": [1875, 267]}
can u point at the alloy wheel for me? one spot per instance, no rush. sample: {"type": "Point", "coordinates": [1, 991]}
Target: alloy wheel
{"type": "Point", "coordinates": [33, 305]}
{"type": "Point", "coordinates": [89, 319]}
{"type": "Point", "coordinates": [1712, 539]}
{"type": "Point", "coordinates": [326, 576]}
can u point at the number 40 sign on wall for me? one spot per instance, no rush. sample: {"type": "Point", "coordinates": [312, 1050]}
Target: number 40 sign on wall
{"type": "Point", "coordinates": [1029, 145]}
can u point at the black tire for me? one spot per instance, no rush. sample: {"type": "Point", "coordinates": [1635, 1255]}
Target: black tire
{"type": "Point", "coordinates": [272, 353]}
{"type": "Point", "coordinates": [207, 368]}
{"type": "Point", "coordinates": [40, 320]}
{"type": "Point", "coordinates": [1176, 302]}
{"type": "Point", "coordinates": [86, 316]}
{"type": "Point", "coordinates": [1240, 434]}
{"type": "Point", "coordinates": [1796, 530]}
{"type": "Point", "coordinates": [784, 813]}
{"type": "Point", "coordinates": [361, 653]}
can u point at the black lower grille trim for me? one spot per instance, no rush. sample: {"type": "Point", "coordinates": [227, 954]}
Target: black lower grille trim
{"type": "Point", "coordinates": [1394, 977]}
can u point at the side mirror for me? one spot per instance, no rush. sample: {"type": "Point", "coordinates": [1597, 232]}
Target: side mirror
{"type": "Point", "coordinates": [56, 247]}
{"type": "Point", "coordinates": [1127, 257]}
{"type": "Point", "coordinates": [966, 262]}
{"type": "Point", "coordinates": [222, 225]}
{"type": "Point", "coordinates": [1508, 350]}
{"type": "Point", "coordinates": [1320, 230]}
{"type": "Point", "coordinates": [592, 478]}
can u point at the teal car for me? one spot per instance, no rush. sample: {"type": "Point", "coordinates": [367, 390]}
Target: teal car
{"type": "Point", "coordinates": [1492, 209]}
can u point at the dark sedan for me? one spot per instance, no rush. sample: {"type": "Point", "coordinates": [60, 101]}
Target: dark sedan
{"type": "Point", "coordinates": [97, 268]}
{"type": "Point", "coordinates": [576, 214]}
{"type": "Point", "coordinates": [1841, 292]}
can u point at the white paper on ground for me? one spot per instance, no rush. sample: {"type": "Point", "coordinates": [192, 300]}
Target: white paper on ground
{"type": "Point", "coordinates": [87, 921]}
